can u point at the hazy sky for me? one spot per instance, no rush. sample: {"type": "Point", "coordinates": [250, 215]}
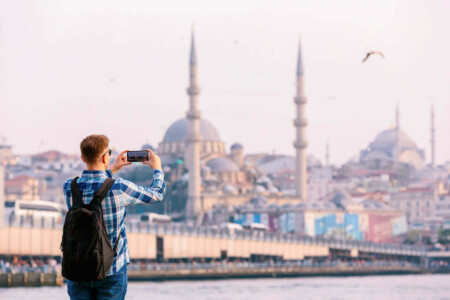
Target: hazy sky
{"type": "Point", "coordinates": [72, 68]}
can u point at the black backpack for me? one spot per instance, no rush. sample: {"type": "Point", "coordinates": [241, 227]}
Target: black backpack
{"type": "Point", "coordinates": [86, 248]}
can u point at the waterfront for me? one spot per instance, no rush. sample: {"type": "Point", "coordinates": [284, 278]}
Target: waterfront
{"type": "Point", "coordinates": [367, 287]}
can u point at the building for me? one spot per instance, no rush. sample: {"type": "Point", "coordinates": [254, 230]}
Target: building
{"type": "Point", "coordinates": [418, 204]}
{"type": "Point", "coordinates": [23, 187]}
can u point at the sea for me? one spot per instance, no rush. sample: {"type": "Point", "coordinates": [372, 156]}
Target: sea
{"type": "Point", "coordinates": [364, 287]}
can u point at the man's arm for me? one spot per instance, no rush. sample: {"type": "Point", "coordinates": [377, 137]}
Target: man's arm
{"type": "Point", "coordinates": [135, 194]}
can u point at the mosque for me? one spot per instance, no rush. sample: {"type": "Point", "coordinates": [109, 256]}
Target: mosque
{"type": "Point", "coordinates": [392, 148]}
{"type": "Point", "coordinates": [215, 177]}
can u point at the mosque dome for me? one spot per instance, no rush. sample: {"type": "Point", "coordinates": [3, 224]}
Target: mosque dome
{"type": "Point", "coordinates": [236, 146]}
{"type": "Point", "coordinates": [178, 130]}
{"type": "Point", "coordinates": [388, 138]}
{"type": "Point", "coordinates": [383, 149]}
{"type": "Point", "coordinates": [222, 164]}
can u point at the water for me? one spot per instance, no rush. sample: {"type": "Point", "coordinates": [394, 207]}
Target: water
{"type": "Point", "coordinates": [369, 287]}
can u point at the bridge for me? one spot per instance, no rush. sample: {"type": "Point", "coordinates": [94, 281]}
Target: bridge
{"type": "Point", "coordinates": [175, 242]}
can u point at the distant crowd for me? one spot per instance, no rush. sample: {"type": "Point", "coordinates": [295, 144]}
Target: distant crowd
{"type": "Point", "coordinates": [16, 265]}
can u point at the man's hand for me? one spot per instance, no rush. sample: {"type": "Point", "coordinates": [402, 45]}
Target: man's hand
{"type": "Point", "coordinates": [121, 161]}
{"type": "Point", "coordinates": [154, 161]}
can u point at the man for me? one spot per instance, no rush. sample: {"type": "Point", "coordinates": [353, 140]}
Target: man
{"type": "Point", "coordinates": [95, 153]}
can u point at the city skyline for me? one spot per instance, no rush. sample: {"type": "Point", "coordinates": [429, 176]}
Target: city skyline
{"type": "Point", "coordinates": [75, 80]}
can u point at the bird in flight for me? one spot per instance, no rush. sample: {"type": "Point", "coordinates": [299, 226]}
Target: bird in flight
{"type": "Point", "coordinates": [372, 52]}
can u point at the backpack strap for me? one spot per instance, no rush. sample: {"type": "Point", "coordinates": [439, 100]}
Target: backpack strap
{"type": "Point", "coordinates": [100, 195]}
{"type": "Point", "coordinates": [102, 191]}
{"type": "Point", "coordinates": [77, 200]}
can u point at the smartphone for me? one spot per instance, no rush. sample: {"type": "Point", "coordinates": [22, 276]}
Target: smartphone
{"type": "Point", "coordinates": [137, 156]}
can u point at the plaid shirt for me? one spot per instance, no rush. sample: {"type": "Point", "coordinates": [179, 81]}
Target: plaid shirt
{"type": "Point", "coordinates": [122, 194]}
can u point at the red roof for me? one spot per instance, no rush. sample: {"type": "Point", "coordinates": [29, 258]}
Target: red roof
{"type": "Point", "coordinates": [51, 155]}
{"type": "Point", "coordinates": [383, 172]}
{"type": "Point", "coordinates": [18, 181]}
{"type": "Point", "coordinates": [417, 190]}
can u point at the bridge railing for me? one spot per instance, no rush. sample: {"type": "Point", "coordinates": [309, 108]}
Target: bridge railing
{"type": "Point", "coordinates": [181, 229]}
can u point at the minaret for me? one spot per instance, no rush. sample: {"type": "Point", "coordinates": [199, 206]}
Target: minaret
{"type": "Point", "coordinates": [433, 141]}
{"type": "Point", "coordinates": [300, 123]}
{"type": "Point", "coordinates": [397, 136]}
{"type": "Point", "coordinates": [193, 139]}
{"type": "Point", "coordinates": [327, 155]}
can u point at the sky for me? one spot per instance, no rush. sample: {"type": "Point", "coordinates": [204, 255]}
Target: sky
{"type": "Point", "coordinates": [72, 68]}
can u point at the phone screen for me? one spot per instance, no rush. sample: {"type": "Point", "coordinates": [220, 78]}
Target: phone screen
{"type": "Point", "coordinates": [137, 156]}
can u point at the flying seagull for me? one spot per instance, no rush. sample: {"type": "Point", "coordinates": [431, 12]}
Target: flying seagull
{"type": "Point", "coordinates": [373, 52]}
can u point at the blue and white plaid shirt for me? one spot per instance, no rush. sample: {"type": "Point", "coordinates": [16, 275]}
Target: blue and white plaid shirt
{"type": "Point", "coordinates": [122, 194]}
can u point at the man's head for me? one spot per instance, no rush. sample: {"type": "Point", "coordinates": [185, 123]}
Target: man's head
{"type": "Point", "coordinates": [95, 151]}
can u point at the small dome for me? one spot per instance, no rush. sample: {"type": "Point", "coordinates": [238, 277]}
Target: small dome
{"type": "Point", "coordinates": [287, 206]}
{"type": "Point", "coordinates": [222, 164]}
{"type": "Point", "coordinates": [273, 190]}
{"type": "Point", "coordinates": [236, 146]}
{"type": "Point", "coordinates": [259, 189]}
{"type": "Point", "coordinates": [313, 161]}
{"type": "Point", "coordinates": [264, 179]}
{"type": "Point", "coordinates": [229, 189]}
{"type": "Point", "coordinates": [178, 130]}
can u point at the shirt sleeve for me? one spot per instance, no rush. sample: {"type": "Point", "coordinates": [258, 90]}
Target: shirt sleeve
{"type": "Point", "coordinates": [135, 194]}
{"type": "Point", "coordinates": [67, 192]}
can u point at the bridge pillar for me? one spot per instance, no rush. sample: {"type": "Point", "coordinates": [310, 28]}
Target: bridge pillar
{"type": "Point", "coordinates": [424, 261]}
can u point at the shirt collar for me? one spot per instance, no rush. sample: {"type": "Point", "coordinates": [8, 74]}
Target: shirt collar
{"type": "Point", "coordinates": [94, 173]}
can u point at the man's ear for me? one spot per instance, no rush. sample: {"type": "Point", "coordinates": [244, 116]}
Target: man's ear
{"type": "Point", "coordinates": [82, 158]}
{"type": "Point", "coordinates": [104, 159]}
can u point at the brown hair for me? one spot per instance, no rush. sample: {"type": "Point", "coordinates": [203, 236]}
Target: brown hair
{"type": "Point", "coordinates": [92, 146]}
